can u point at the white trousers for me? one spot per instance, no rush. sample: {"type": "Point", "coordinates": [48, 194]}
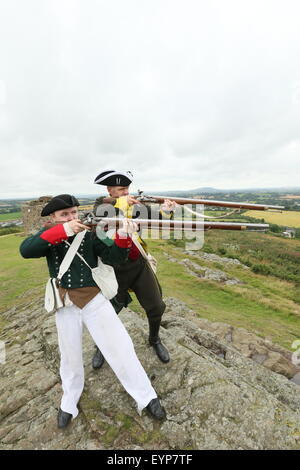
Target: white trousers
{"type": "Point", "coordinates": [111, 337]}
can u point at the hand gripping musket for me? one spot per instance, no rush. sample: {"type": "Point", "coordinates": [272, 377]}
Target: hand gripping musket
{"type": "Point", "coordinates": [143, 198]}
{"type": "Point", "coordinates": [107, 223]}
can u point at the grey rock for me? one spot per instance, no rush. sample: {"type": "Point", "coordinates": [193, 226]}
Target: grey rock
{"type": "Point", "coordinates": [215, 397]}
{"type": "Point", "coordinates": [212, 257]}
{"type": "Point", "coordinates": [296, 378]}
{"type": "Point", "coordinates": [203, 272]}
{"type": "Point", "coordinates": [260, 350]}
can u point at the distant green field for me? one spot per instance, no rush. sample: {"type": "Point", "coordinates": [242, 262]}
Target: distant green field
{"type": "Point", "coordinates": [268, 305]}
{"type": "Point", "coordinates": [18, 275]}
{"type": "Point", "coordinates": [11, 216]}
{"type": "Point", "coordinates": [288, 218]}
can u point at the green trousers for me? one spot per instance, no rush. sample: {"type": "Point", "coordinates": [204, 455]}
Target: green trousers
{"type": "Point", "coordinates": [139, 277]}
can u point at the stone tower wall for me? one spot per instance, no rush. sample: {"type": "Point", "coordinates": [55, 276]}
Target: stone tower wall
{"type": "Point", "coordinates": [31, 214]}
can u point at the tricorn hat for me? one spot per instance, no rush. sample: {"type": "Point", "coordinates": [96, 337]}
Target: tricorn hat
{"type": "Point", "coordinates": [57, 203]}
{"type": "Point", "coordinates": [114, 178]}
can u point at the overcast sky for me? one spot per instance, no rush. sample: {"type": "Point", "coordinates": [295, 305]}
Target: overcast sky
{"type": "Point", "coordinates": [184, 93]}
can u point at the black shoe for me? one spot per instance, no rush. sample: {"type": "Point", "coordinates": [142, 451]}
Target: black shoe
{"type": "Point", "coordinates": [155, 409]}
{"type": "Point", "coordinates": [98, 359]}
{"type": "Point", "coordinates": [160, 350]}
{"type": "Point", "coordinates": [63, 418]}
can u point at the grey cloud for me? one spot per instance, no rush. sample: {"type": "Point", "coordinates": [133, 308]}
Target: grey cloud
{"type": "Point", "coordinates": [184, 94]}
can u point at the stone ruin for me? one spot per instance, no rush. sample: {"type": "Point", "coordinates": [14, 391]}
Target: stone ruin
{"type": "Point", "coordinates": [31, 214]}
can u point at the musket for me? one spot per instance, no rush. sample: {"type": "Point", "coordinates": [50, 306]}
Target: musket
{"type": "Point", "coordinates": [143, 198]}
{"type": "Point", "coordinates": [106, 223]}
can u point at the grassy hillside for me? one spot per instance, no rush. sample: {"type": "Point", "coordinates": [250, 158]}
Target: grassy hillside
{"type": "Point", "coordinates": [10, 216]}
{"type": "Point", "coordinates": [263, 253]}
{"type": "Point", "coordinates": [18, 275]}
{"type": "Point", "coordinates": [267, 304]}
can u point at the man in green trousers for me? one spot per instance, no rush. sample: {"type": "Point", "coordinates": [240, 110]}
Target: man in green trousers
{"type": "Point", "coordinates": [135, 274]}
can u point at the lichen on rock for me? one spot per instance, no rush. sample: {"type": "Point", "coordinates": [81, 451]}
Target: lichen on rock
{"type": "Point", "coordinates": [215, 396]}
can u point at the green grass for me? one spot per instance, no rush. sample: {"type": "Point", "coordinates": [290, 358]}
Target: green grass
{"type": "Point", "coordinates": [266, 305]}
{"type": "Point", "coordinates": [10, 216]}
{"type": "Point", "coordinates": [19, 275]}
{"type": "Point", "coordinates": [262, 252]}
{"type": "Point", "coordinates": [9, 230]}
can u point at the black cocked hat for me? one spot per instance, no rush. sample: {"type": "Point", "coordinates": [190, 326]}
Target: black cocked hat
{"type": "Point", "coordinates": [57, 203]}
{"type": "Point", "coordinates": [114, 178]}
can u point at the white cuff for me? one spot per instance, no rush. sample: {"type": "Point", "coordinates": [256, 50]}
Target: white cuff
{"type": "Point", "coordinates": [68, 229]}
{"type": "Point", "coordinates": [123, 234]}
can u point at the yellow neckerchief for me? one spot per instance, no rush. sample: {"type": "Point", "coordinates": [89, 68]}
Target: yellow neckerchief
{"type": "Point", "coordinates": [127, 210]}
{"type": "Point", "coordinates": [122, 205]}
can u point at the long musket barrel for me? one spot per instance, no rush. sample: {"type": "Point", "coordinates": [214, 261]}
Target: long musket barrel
{"type": "Point", "coordinates": [206, 202]}
{"type": "Point", "coordinates": [209, 202]}
{"type": "Point", "coordinates": [111, 222]}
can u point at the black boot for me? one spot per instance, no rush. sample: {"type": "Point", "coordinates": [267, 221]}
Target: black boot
{"type": "Point", "coordinates": [155, 341]}
{"type": "Point", "coordinates": [63, 418]}
{"type": "Point", "coordinates": [155, 409]}
{"type": "Point", "coordinates": [98, 359]}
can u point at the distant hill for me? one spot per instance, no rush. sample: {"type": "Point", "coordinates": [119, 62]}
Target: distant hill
{"type": "Point", "coordinates": [209, 190]}
{"type": "Point", "coordinates": [182, 193]}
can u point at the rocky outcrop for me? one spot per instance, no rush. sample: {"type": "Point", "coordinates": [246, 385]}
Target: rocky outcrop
{"type": "Point", "coordinates": [204, 272]}
{"type": "Point", "coordinates": [260, 350]}
{"type": "Point", "coordinates": [212, 257]}
{"type": "Point", "coordinates": [215, 397]}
